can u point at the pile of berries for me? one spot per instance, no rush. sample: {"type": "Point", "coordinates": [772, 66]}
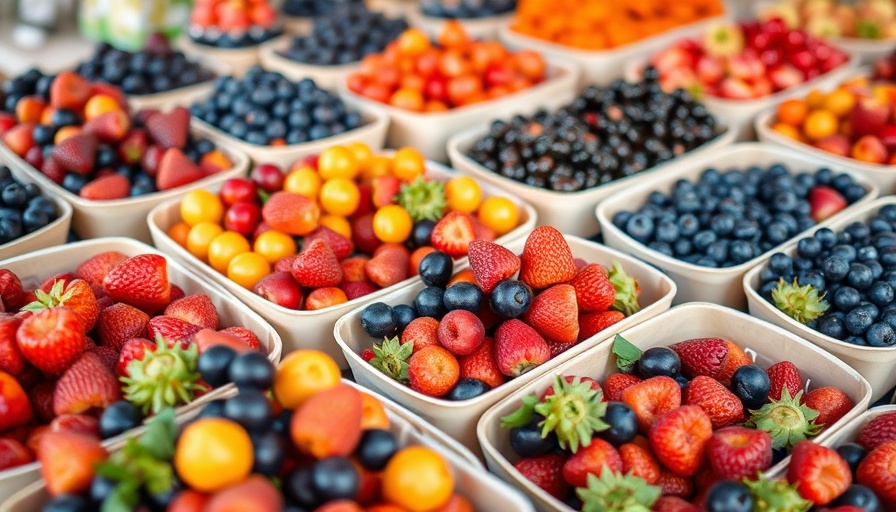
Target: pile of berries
{"type": "Point", "coordinates": [313, 8]}
{"type": "Point", "coordinates": [23, 209]}
{"type": "Point", "coordinates": [466, 9]}
{"type": "Point", "coordinates": [233, 23]}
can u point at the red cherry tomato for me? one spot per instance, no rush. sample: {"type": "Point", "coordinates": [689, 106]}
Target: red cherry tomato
{"type": "Point", "coordinates": [436, 89]}
{"type": "Point", "coordinates": [463, 88]}
{"type": "Point", "coordinates": [452, 64]}
{"type": "Point", "coordinates": [238, 190]}
{"type": "Point", "coordinates": [242, 218]}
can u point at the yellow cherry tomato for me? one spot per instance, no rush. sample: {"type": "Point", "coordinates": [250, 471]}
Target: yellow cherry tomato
{"type": "Point", "coordinates": [247, 269]}
{"type": "Point", "coordinates": [200, 237]}
{"type": "Point", "coordinates": [201, 206]}
{"type": "Point", "coordinates": [224, 248]}
{"type": "Point", "coordinates": [418, 479]}
{"type": "Point", "coordinates": [338, 224]}
{"type": "Point", "coordinates": [340, 196]}
{"type": "Point", "coordinates": [407, 164]}
{"type": "Point", "coordinates": [213, 453]}
{"type": "Point", "coordinates": [463, 194]}
{"type": "Point", "coordinates": [392, 223]}
{"type": "Point", "coordinates": [303, 374]}
{"type": "Point", "coordinates": [380, 165]}
{"type": "Point", "coordinates": [337, 162]}
{"type": "Point", "coordinates": [363, 154]}
{"type": "Point", "coordinates": [499, 214]}
{"type": "Point", "coordinates": [274, 246]}
{"type": "Point", "coordinates": [179, 233]}
{"type": "Point", "coordinates": [304, 181]}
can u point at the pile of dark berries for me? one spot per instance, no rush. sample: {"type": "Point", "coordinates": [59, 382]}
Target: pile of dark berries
{"type": "Point", "coordinates": [23, 209]}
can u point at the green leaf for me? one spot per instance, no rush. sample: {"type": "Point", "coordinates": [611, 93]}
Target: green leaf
{"type": "Point", "coordinates": [124, 498]}
{"type": "Point", "coordinates": [626, 354]}
{"type": "Point", "coordinates": [263, 196]}
{"type": "Point", "coordinates": [521, 416]}
{"type": "Point", "coordinates": [160, 434]}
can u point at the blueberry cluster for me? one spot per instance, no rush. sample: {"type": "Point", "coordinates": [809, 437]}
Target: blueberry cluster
{"type": "Point", "coordinates": [312, 8]}
{"type": "Point", "coordinates": [855, 269]}
{"type": "Point", "coordinates": [23, 209]}
{"type": "Point", "coordinates": [264, 107]}
{"type": "Point", "coordinates": [143, 72]}
{"type": "Point", "coordinates": [728, 218]}
{"type": "Point", "coordinates": [28, 83]}
{"type": "Point", "coordinates": [255, 35]}
{"type": "Point", "coordinates": [605, 134]}
{"type": "Point", "coordinates": [465, 9]}
{"type": "Point", "coordinates": [346, 34]}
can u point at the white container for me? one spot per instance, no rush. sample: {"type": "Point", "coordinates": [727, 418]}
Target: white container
{"type": "Point", "coordinates": [766, 343]}
{"type": "Point", "coordinates": [486, 27]}
{"type": "Point", "coordinates": [570, 212]}
{"type": "Point", "coordinates": [309, 329]}
{"type": "Point", "coordinates": [182, 96]}
{"type": "Point", "coordinates": [127, 217]}
{"type": "Point", "coordinates": [874, 363]}
{"type": "Point", "coordinates": [33, 268]}
{"type": "Point", "coordinates": [429, 132]}
{"type": "Point", "coordinates": [54, 233]}
{"type": "Point", "coordinates": [239, 60]}
{"type": "Point", "coordinates": [458, 419]}
{"type": "Point", "coordinates": [602, 67]}
{"type": "Point", "coordinates": [372, 133]}
{"type": "Point", "coordinates": [297, 25]}
{"type": "Point", "coordinates": [327, 77]}
{"type": "Point", "coordinates": [697, 283]}
{"type": "Point", "coordinates": [483, 490]}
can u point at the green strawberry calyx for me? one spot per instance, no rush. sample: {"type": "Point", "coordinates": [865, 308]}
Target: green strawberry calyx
{"type": "Point", "coordinates": [786, 420]}
{"type": "Point", "coordinates": [613, 491]}
{"type": "Point", "coordinates": [776, 495]}
{"type": "Point", "coordinates": [57, 297]}
{"type": "Point", "coordinates": [391, 358]}
{"type": "Point", "coordinates": [165, 377]}
{"type": "Point", "coordinates": [627, 290]}
{"type": "Point", "coordinates": [423, 199]}
{"type": "Point", "coordinates": [802, 303]}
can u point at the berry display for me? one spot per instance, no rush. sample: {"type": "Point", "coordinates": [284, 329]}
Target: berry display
{"type": "Point", "coordinates": [267, 109]}
{"type": "Point", "coordinates": [154, 69]}
{"type": "Point", "coordinates": [466, 9]}
{"type": "Point", "coordinates": [233, 23]}
{"type": "Point", "coordinates": [727, 218]}
{"type": "Point", "coordinates": [840, 284]}
{"type": "Point", "coordinates": [865, 19]}
{"type": "Point", "coordinates": [314, 8]}
{"type": "Point", "coordinates": [344, 35]}
{"type": "Point", "coordinates": [605, 134]}
{"type": "Point", "coordinates": [23, 208]}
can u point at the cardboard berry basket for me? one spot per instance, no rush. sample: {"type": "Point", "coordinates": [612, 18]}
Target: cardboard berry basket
{"type": "Point", "coordinates": [486, 27]}
{"type": "Point", "coordinates": [697, 283]}
{"type": "Point", "coordinates": [54, 233]}
{"type": "Point", "coordinates": [485, 491]}
{"type": "Point", "coordinates": [182, 96]}
{"type": "Point", "coordinates": [309, 329]}
{"type": "Point", "coordinates": [429, 132]}
{"type": "Point", "coordinates": [33, 268]}
{"type": "Point", "coordinates": [570, 212]}
{"type": "Point", "coordinates": [602, 67]}
{"type": "Point", "coordinates": [126, 217]}
{"type": "Point", "coordinates": [458, 418]}
{"type": "Point", "coordinates": [874, 363]}
{"type": "Point", "coordinates": [327, 77]}
{"type": "Point", "coordinates": [766, 343]}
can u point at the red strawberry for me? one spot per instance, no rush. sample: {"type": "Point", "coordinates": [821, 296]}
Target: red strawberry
{"type": "Point", "coordinates": [48, 283]}
{"type": "Point", "coordinates": [481, 364]}
{"type": "Point", "coordinates": [86, 385]}
{"type": "Point", "coordinates": [316, 266]}
{"type": "Point", "coordinates": [108, 355]}
{"type": "Point", "coordinates": [723, 407]}
{"type": "Point", "coordinates": [176, 170]}
{"type": "Point", "coordinates": [367, 354]}
{"type": "Point", "coordinates": [110, 126]}
{"type": "Point", "coordinates": [593, 323]}
{"type": "Point", "coordinates": [67, 461]}
{"type": "Point", "coordinates": [878, 431]}
{"type": "Point", "coordinates": [177, 292]}
{"type": "Point", "coordinates": [13, 453]}
{"type": "Point", "coordinates": [491, 264]}
{"type": "Point", "coordinates": [453, 233]}
{"type": "Point", "coordinates": [674, 485]}
{"type": "Point", "coordinates": [353, 268]}
{"type": "Point", "coordinates": [388, 266]}
{"type": "Point", "coordinates": [107, 188]}
{"type": "Point", "coordinates": [342, 247]}
{"type": "Point", "coordinates": [170, 129]}
{"type": "Point", "coordinates": [19, 139]}
{"type": "Point", "coordinates": [554, 314]}
{"type": "Point", "coordinates": [651, 398]}
{"type": "Point", "coordinates": [519, 348]}
{"type": "Point", "coordinates": [590, 459]}
{"type": "Point", "coordinates": [704, 356]}
{"type": "Point", "coordinates": [616, 383]}
{"type": "Point", "coordinates": [736, 358]}
{"type": "Point", "coordinates": [558, 348]}
{"type": "Point", "coordinates": [679, 438]}
{"type": "Point", "coordinates": [736, 453]}
{"type": "Point", "coordinates": [52, 339]}
{"type": "Point", "coordinates": [80, 423]}
{"type": "Point", "coordinates": [819, 473]}
{"type": "Point", "coordinates": [53, 170]}
{"type": "Point", "coordinates": [172, 330]}
{"type": "Point", "coordinates": [547, 259]}
{"type": "Point", "coordinates": [133, 348]}
{"type": "Point", "coordinates": [284, 264]}
{"type": "Point", "coordinates": [76, 153]}
{"type": "Point", "coordinates": [11, 293]}
{"type": "Point", "coordinates": [69, 90]}
{"type": "Point", "coordinates": [133, 147]}
{"type": "Point", "coordinates": [825, 202]}
{"type": "Point", "coordinates": [94, 270]}
{"type": "Point", "coordinates": [423, 332]}
{"type": "Point", "coordinates": [674, 504]}
{"type": "Point", "coordinates": [41, 397]}
{"type": "Point", "coordinates": [594, 291]}
{"type": "Point", "coordinates": [11, 360]}
{"type": "Point", "coordinates": [196, 309]}
{"type": "Point", "coordinates": [244, 334]}
{"type": "Point", "coordinates": [355, 289]}
{"type": "Point", "coordinates": [638, 461]}
{"type": "Point", "coordinates": [75, 294]}
{"type": "Point", "coordinates": [831, 404]}
{"type": "Point", "coordinates": [433, 371]}
{"type": "Point", "coordinates": [545, 472]}
{"type": "Point", "coordinates": [119, 323]}
{"type": "Point", "coordinates": [549, 391]}
{"type": "Point", "coordinates": [783, 373]}
{"type": "Point", "coordinates": [141, 281]}
{"type": "Point", "coordinates": [877, 473]}
{"type": "Point", "coordinates": [363, 237]}
{"type": "Point", "coordinates": [207, 338]}
{"type": "Point", "coordinates": [151, 160]}
{"type": "Point", "coordinates": [14, 403]}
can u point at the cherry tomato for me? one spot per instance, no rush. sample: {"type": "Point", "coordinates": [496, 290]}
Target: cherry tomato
{"type": "Point", "coordinates": [224, 248]}
{"type": "Point", "coordinates": [407, 99]}
{"type": "Point", "coordinates": [238, 190]}
{"type": "Point", "coordinates": [340, 196]}
{"type": "Point", "coordinates": [267, 177]}
{"type": "Point", "coordinates": [388, 75]}
{"type": "Point", "coordinates": [462, 88]}
{"type": "Point", "coordinates": [200, 237]}
{"type": "Point", "coordinates": [436, 88]}
{"type": "Point", "coordinates": [363, 154]}
{"type": "Point", "coordinates": [242, 218]}
{"type": "Point", "coordinates": [497, 74]}
{"type": "Point", "coordinates": [418, 479]}
{"type": "Point", "coordinates": [531, 64]}
{"type": "Point", "coordinates": [413, 42]}
{"type": "Point", "coordinates": [274, 246]}
{"type": "Point", "coordinates": [179, 233]}
{"type": "Point", "coordinates": [356, 82]}
{"type": "Point", "coordinates": [338, 224]}
{"type": "Point", "coordinates": [413, 82]}
{"type": "Point", "coordinates": [247, 269]}
{"type": "Point", "coordinates": [304, 181]}
{"type": "Point", "coordinates": [407, 164]}
{"type": "Point", "coordinates": [213, 453]}
{"type": "Point", "coordinates": [453, 36]}
{"type": "Point", "coordinates": [303, 374]}
{"type": "Point", "coordinates": [463, 194]}
{"type": "Point", "coordinates": [201, 206]}
{"type": "Point", "coordinates": [499, 214]}
{"type": "Point", "coordinates": [377, 92]}
{"type": "Point", "coordinates": [392, 223]}
{"type": "Point", "coordinates": [428, 63]}
{"type": "Point", "coordinates": [337, 162]}
{"type": "Point", "coordinates": [452, 64]}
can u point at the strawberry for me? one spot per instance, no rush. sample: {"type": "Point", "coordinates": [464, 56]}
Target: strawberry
{"type": "Point", "coordinates": [244, 334]}
{"type": "Point", "coordinates": [651, 398]}
{"type": "Point", "coordinates": [594, 291]}
{"type": "Point", "coordinates": [878, 431]}
{"type": "Point", "coordinates": [86, 385]}
{"type": "Point", "coordinates": [554, 314]}
{"type": "Point", "coordinates": [639, 462]}
{"type": "Point", "coordinates": [13, 402]}
{"type": "Point", "coordinates": [172, 330]}
{"type": "Point", "coordinates": [119, 323]}
{"type": "Point", "coordinates": [94, 269]}
{"type": "Point", "coordinates": [176, 170]}
{"type": "Point", "coordinates": [151, 160]}
{"type": "Point", "coordinates": [671, 503]}
{"type": "Point", "coordinates": [353, 268]}
{"type": "Point", "coordinates": [355, 289]}
{"type": "Point", "coordinates": [422, 332]}
{"type": "Point", "coordinates": [196, 309]}
{"type": "Point", "coordinates": [824, 202]}
{"type": "Point", "coordinates": [76, 153]}
{"type": "Point", "coordinates": [11, 293]}
{"type": "Point", "coordinates": [558, 348]}
{"type": "Point", "coordinates": [593, 323]}
{"type": "Point", "coordinates": [13, 453]}
{"type": "Point", "coordinates": [133, 348]}
{"type": "Point", "coordinates": [679, 438]}
{"type": "Point", "coordinates": [108, 355]}
{"type": "Point", "coordinates": [109, 127]}
{"type": "Point", "coordinates": [133, 146]}
{"type": "Point", "coordinates": [53, 170]}
{"type": "Point", "coordinates": [876, 472]}
{"type": "Point", "coordinates": [831, 404]}
{"type": "Point", "coordinates": [207, 338]}
{"type": "Point", "coordinates": [736, 453]}
{"type": "Point", "coordinates": [141, 281]}
{"type": "Point", "coordinates": [481, 364]}
{"type": "Point", "coordinates": [367, 354]}
{"type": "Point", "coordinates": [285, 264]}
{"type": "Point", "coordinates": [571, 379]}
{"type": "Point", "coordinates": [453, 233]}
{"type": "Point", "coordinates": [723, 407]}
{"type": "Point", "coordinates": [433, 371]}
{"type": "Point", "coordinates": [590, 459]}
{"type": "Point", "coordinates": [170, 129]}
{"type": "Point", "coordinates": [52, 339]}
{"type": "Point", "coordinates": [80, 423]}
{"type": "Point", "coordinates": [780, 374]}
{"type": "Point", "coordinates": [67, 461]}
{"type": "Point", "coordinates": [69, 90]}
{"type": "Point", "coordinates": [547, 259]}
{"type": "Point", "coordinates": [519, 348]}
{"type": "Point", "coordinates": [545, 472]}
{"type": "Point", "coordinates": [491, 264]}
{"type": "Point", "coordinates": [48, 283]}
{"type": "Point", "coordinates": [674, 485]}
{"type": "Point", "coordinates": [736, 358]}
{"type": "Point", "coordinates": [342, 247]}
{"type": "Point", "coordinates": [41, 397]}
{"type": "Point", "coordinates": [363, 236]}
{"type": "Point", "coordinates": [76, 295]}
{"type": "Point", "coordinates": [706, 356]}
{"type": "Point", "coordinates": [329, 423]}
{"type": "Point", "coordinates": [107, 188]}
{"type": "Point", "coordinates": [11, 360]}
{"type": "Point", "coordinates": [616, 383]}
{"type": "Point", "coordinates": [293, 214]}
{"type": "Point", "coordinates": [819, 473]}
{"type": "Point", "coordinates": [316, 266]}
{"type": "Point", "coordinates": [388, 266]}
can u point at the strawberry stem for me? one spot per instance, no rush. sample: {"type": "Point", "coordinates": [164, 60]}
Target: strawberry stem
{"type": "Point", "coordinates": [627, 290]}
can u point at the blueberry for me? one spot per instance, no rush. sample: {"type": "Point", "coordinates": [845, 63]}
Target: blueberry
{"type": "Point", "coordinates": [404, 315]}
{"type": "Point", "coordinates": [428, 302]}
{"type": "Point", "coordinates": [250, 408]}
{"type": "Point", "coordinates": [422, 232]}
{"type": "Point", "coordinates": [859, 496]}
{"type": "Point", "coordinates": [688, 225]}
{"type": "Point", "coordinates": [270, 452]}
{"type": "Point", "coordinates": [620, 219]}
{"type": "Point", "coordinates": [623, 424]}
{"type": "Point", "coordinates": [751, 384]}
{"type": "Point", "coordinates": [832, 326]}
{"type": "Point", "coordinates": [781, 264]}
{"type": "Point", "coordinates": [511, 298]}
{"type": "Point", "coordinates": [34, 219]}
{"type": "Point", "coordinates": [718, 251]}
{"type": "Point", "coordinates": [853, 454]}
{"type": "Point", "coordinates": [467, 388]}
{"type": "Point", "coordinates": [777, 232]}
{"type": "Point", "coordinates": [858, 321]}
{"type": "Point", "coordinates": [378, 320]}
{"type": "Point", "coordinates": [214, 365]}
{"type": "Point", "coordinates": [101, 488]}
{"type": "Point", "coordinates": [436, 268]}
{"type": "Point", "coordinates": [335, 478]}
{"type": "Point", "coordinates": [847, 252]}
{"type": "Point", "coordinates": [703, 239]}
{"type": "Point", "coordinates": [68, 503]}
{"type": "Point", "coordinates": [640, 227]}
{"type": "Point", "coordinates": [722, 224]}
{"type": "Point", "coordinates": [527, 440]}
{"type": "Point", "coordinates": [859, 276]}
{"type": "Point", "coordinates": [463, 295]}
{"type": "Point", "coordinates": [375, 449]}
{"type": "Point", "coordinates": [880, 334]}
{"type": "Point", "coordinates": [846, 298]}
{"type": "Point", "coordinates": [213, 409]}
{"type": "Point", "coordinates": [64, 117]}
{"type": "Point", "coordinates": [729, 496]}
{"type": "Point", "coordinates": [745, 229]}
{"type": "Point", "coordinates": [667, 232]}
{"type": "Point", "coordinates": [808, 247]}
{"type": "Point", "coordinates": [867, 253]}
{"type": "Point", "coordinates": [74, 182]}
{"type": "Point", "coordinates": [740, 252]}
{"type": "Point", "coordinates": [881, 293]}
{"type": "Point", "coordinates": [118, 418]}
{"type": "Point", "coordinates": [251, 370]}
{"type": "Point", "coordinates": [835, 268]}
{"type": "Point", "coordinates": [658, 361]}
